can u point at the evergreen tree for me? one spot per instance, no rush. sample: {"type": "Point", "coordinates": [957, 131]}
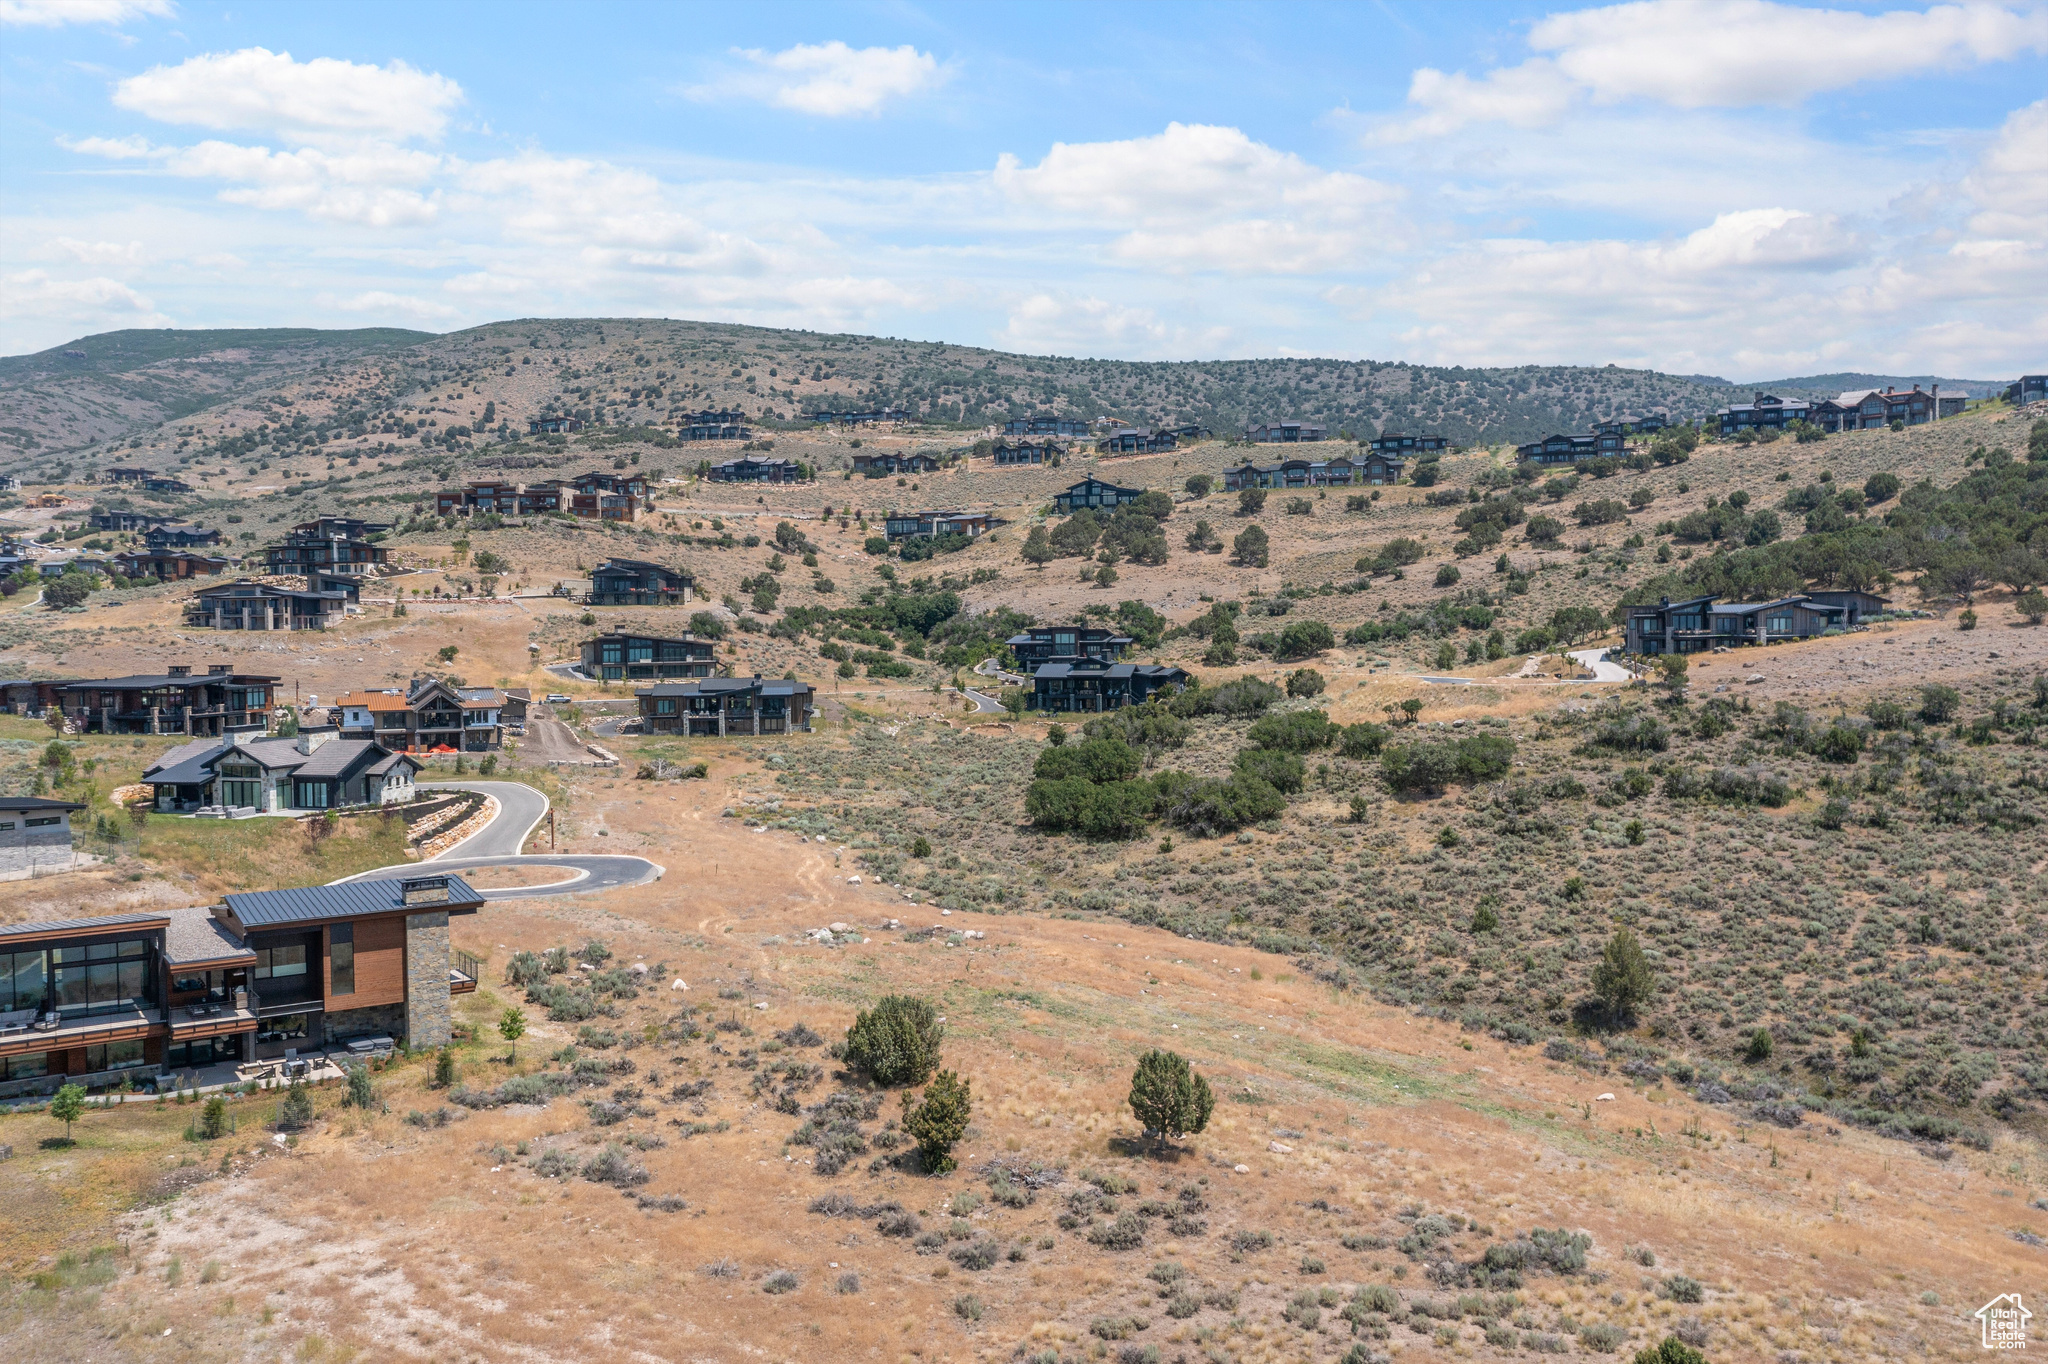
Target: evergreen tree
{"type": "Point", "coordinates": [1622, 977]}
{"type": "Point", "coordinates": [938, 1120]}
{"type": "Point", "coordinates": [1169, 1098]}
{"type": "Point", "coordinates": [896, 1042]}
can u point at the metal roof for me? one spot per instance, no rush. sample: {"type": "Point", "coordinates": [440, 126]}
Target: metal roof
{"type": "Point", "coordinates": [47, 927]}
{"type": "Point", "coordinates": [36, 803]}
{"type": "Point", "coordinates": [350, 899]}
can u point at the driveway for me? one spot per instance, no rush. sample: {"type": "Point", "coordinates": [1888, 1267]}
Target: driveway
{"type": "Point", "coordinates": [551, 741]}
{"type": "Point", "coordinates": [983, 705]}
{"type": "Point", "coordinates": [498, 844]}
{"type": "Point", "coordinates": [1603, 671]}
{"type": "Point", "coordinates": [586, 875]}
{"type": "Point", "coordinates": [520, 811]}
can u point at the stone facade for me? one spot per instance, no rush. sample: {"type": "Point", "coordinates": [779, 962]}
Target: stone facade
{"type": "Point", "coordinates": [28, 852]}
{"type": "Point", "coordinates": [387, 1019]}
{"type": "Point", "coordinates": [429, 1008]}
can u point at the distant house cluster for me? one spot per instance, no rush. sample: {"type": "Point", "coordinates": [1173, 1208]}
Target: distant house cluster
{"type": "Point", "coordinates": [623, 657]}
{"type": "Point", "coordinates": [248, 605]}
{"type": "Point", "coordinates": [927, 524]}
{"type": "Point", "coordinates": [334, 553]}
{"type": "Point", "coordinates": [1025, 452]}
{"type": "Point", "coordinates": [1092, 494]}
{"type": "Point", "coordinates": [1865, 409]}
{"type": "Point", "coordinates": [747, 469]}
{"type": "Point", "coordinates": [1062, 428]}
{"type": "Point", "coordinates": [709, 425]}
{"type": "Point", "coordinates": [431, 716]}
{"type": "Point", "coordinates": [883, 463]}
{"type": "Point", "coordinates": [1374, 470]}
{"type": "Point", "coordinates": [1697, 624]}
{"type": "Point", "coordinates": [1082, 668]}
{"type": "Point", "coordinates": [1286, 433]}
{"type": "Point", "coordinates": [1131, 440]}
{"type": "Point", "coordinates": [636, 582]}
{"type": "Point", "coordinates": [1570, 449]}
{"type": "Point", "coordinates": [175, 701]}
{"type": "Point", "coordinates": [1394, 443]}
{"type": "Point", "coordinates": [595, 496]}
{"type": "Point", "coordinates": [873, 417]}
{"type": "Point", "coordinates": [727, 705]}
{"type": "Point", "coordinates": [247, 773]}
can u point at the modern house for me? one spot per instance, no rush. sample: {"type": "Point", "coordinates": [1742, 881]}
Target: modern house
{"type": "Point", "coordinates": [319, 768]}
{"type": "Point", "coordinates": [504, 497]}
{"type": "Point", "coordinates": [636, 582]}
{"type": "Point", "coordinates": [173, 702]}
{"type": "Point", "coordinates": [122, 997]}
{"type": "Point", "coordinates": [180, 537]}
{"type": "Point", "coordinates": [1132, 441]}
{"type": "Point", "coordinates": [1066, 428]}
{"type": "Point", "coordinates": [1091, 492]}
{"type": "Point", "coordinates": [1866, 409]}
{"type": "Point", "coordinates": [167, 565]}
{"type": "Point", "coordinates": [429, 716]}
{"type": "Point", "coordinates": [1341, 472]}
{"type": "Point", "coordinates": [1043, 644]}
{"type": "Point", "coordinates": [1765, 410]}
{"type": "Point", "coordinates": [247, 605]}
{"type": "Point", "coordinates": [553, 425]}
{"type": "Point", "coordinates": [158, 483]}
{"type": "Point", "coordinates": [127, 521]}
{"type": "Point", "coordinates": [747, 469]}
{"type": "Point", "coordinates": [624, 657]}
{"type": "Point", "coordinates": [1697, 624]}
{"type": "Point", "coordinates": [1095, 684]}
{"type": "Point", "coordinates": [893, 462]}
{"type": "Point", "coordinates": [886, 414]}
{"type": "Point", "coordinates": [122, 474]}
{"type": "Point", "coordinates": [2028, 388]}
{"type": "Point", "coordinates": [727, 705]}
{"type": "Point", "coordinates": [927, 524]}
{"type": "Point", "coordinates": [599, 496]}
{"type": "Point", "coordinates": [709, 425]}
{"type": "Point", "coordinates": [35, 836]}
{"type": "Point", "coordinates": [1286, 433]}
{"type": "Point", "coordinates": [1570, 449]}
{"type": "Point", "coordinates": [1630, 426]}
{"type": "Point", "coordinates": [1394, 443]}
{"type": "Point", "coordinates": [1025, 452]}
{"type": "Point", "coordinates": [335, 546]}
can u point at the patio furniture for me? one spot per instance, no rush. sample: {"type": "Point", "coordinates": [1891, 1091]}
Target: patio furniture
{"type": "Point", "coordinates": [17, 1020]}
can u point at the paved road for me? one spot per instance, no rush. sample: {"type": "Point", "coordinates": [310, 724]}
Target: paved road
{"type": "Point", "coordinates": [520, 811]}
{"type": "Point", "coordinates": [983, 705]}
{"type": "Point", "coordinates": [1603, 671]}
{"type": "Point", "coordinates": [589, 873]}
{"type": "Point", "coordinates": [497, 844]}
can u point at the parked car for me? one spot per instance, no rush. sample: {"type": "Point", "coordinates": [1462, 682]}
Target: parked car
{"type": "Point", "coordinates": [556, 698]}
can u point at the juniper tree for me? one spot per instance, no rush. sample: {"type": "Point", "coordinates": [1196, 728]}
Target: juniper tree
{"type": "Point", "coordinates": [1169, 1098]}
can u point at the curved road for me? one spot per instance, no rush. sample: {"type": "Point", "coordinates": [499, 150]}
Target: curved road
{"type": "Point", "coordinates": [1603, 671]}
{"type": "Point", "coordinates": [498, 844]}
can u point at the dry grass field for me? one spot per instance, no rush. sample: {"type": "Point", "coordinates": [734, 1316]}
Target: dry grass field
{"type": "Point", "coordinates": [1389, 987]}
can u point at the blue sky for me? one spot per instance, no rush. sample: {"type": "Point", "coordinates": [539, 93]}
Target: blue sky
{"type": "Point", "coordinates": [1739, 187]}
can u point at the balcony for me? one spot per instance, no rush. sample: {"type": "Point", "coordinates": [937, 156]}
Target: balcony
{"type": "Point", "coordinates": [117, 1026]}
{"type": "Point", "coordinates": [464, 970]}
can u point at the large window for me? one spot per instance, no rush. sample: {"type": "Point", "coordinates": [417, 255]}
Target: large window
{"type": "Point", "coordinates": [289, 1028]}
{"type": "Point", "coordinates": [342, 959]}
{"type": "Point", "coordinates": [97, 978]}
{"type": "Point", "coordinates": [24, 981]}
{"type": "Point", "coordinates": [205, 1052]}
{"type": "Point", "coordinates": [115, 1056]}
{"type": "Point", "coordinates": [24, 1067]}
{"type": "Point", "coordinates": [283, 962]}
{"type": "Point", "coordinates": [311, 795]}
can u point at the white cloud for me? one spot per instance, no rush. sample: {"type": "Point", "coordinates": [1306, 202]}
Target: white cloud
{"type": "Point", "coordinates": [256, 90]}
{"type": "Point", "coordinates": [73, 306]}
{"type": "Point", "coordinates": [100, 253]}
{"type": "Point", "coordinates": [386, 304]}
{"type": "Point", "coordinates": [374, 186]}
{"type": "Point", "coordinates": [113, 148]}
{"type": "Point", "coordinates": [2009, 184]}
{"type": "Point", "coordinates": [1695, 54]}
{"type": "Point", "coordinates": [56, 13]}
{"type": "Point", "coordinates": [831, 79]}
{"type": "Point", "coordinates": [1048, 323]}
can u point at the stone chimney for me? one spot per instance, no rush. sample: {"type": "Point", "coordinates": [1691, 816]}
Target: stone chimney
{"type": "Point", "coordinates": [311, 738]}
